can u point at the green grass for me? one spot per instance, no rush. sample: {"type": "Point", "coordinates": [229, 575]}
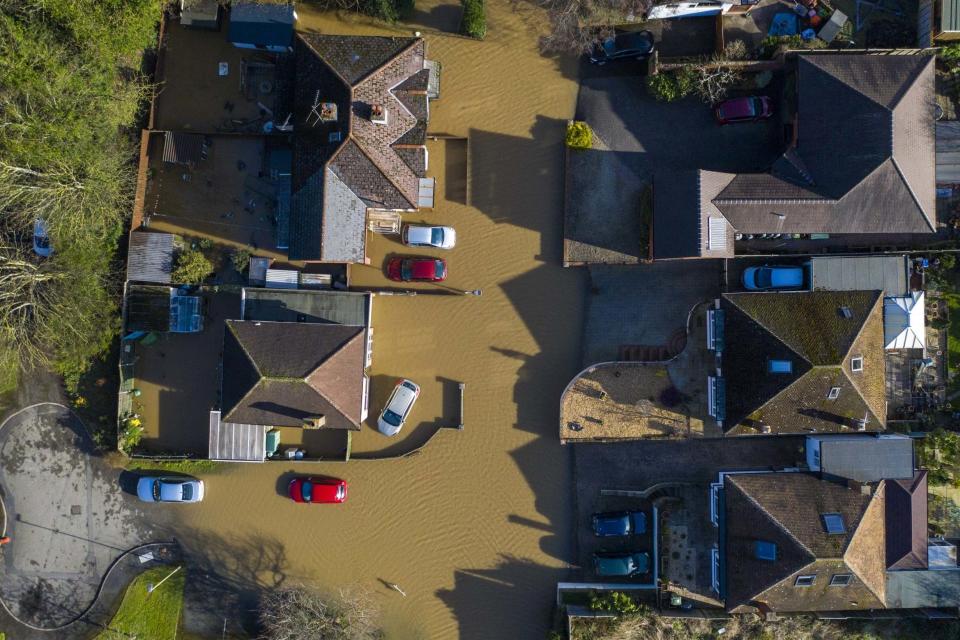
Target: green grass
{"type": "Point", "coordinates": [179, 466]}
{"type": "Point", "coordinates": [149, 615]}
{"type": "Point", "coordinates": [953, 338]}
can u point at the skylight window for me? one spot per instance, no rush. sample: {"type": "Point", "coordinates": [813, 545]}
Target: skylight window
{"type": "Point", "coordinates": [856, 364]}
{"type": "Point", "coordinates": [834, 393]}
{"type": "Point", "coordinates": [764, 550]}
{"type": "Point", "coordinates": [833, 523]}
{"type": "Point", "coordinates": [840, 579]}
{"type": "Point", "coordinates": [779, 366]}
{"type": "Point", "coordinates": [805, 581]}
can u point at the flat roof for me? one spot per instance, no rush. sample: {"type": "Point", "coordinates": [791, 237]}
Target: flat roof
{"type": "Point", "coordinates": [865, 457]}
{"type": "Point", "coordinates": [890, 274]}
{"type": "Point", "coordinates": [236, 442]}
{"type": "Point", "coordinates": [918, 589]}
{"type": "Point", "coordinates": [282, 305]}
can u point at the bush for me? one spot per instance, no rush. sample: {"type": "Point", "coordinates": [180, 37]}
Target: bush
{"type": "Point", "coordinates": [192, 267]}
{"type": "Point", "coordinates": [405, 9]}
{"type": "Point", "coordinates": [736, 50]}
{"type": "Point", "coordinates": [950, 54]}
{"type": "Point", "coordinates": [772, 45]}
{"type": "Point", "coordinates": [615, 601]}
{"type": "Point", "coordinates": [473, 23]}
{"type": "Point", "coordinates": [891, 33]}
{"type": "Point", "coordinates": [131, 432]}
{"type": "Point", "coordinates": [297, 613]}
{"type": "Point", "coordinates": [579, 135]}
{"type": "Point", "coordinates": [240, 259]}
{"type": "Point", "coordinates": [672, 85]}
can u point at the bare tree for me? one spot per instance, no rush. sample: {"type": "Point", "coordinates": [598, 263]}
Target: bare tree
{"type": "Point", "coordinates": [576, 25]}
{"type": "Point", "coordinates": [714, 80]}
{"type": "Point", "coordinates": [299, 613]}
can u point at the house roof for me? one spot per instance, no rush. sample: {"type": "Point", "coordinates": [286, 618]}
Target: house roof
{"type": "Point", "coordinates": [906, 522]}
{"type": "Point", "coordinates": [261, 23]}
{"type": "Point", "coordinates": [810, 330]}
{"type": "Point", "coordinates": [866, 164]}
{"type": "Point", "coordinates": [684, 215]}
{"type": "Point", "coordinates": [890, 274]}
{"type": "Point", "coordinates": [280, 373]}
{"type": "Point", "coordinates": [866, 457]}
{"type": "Point", "coordinates": [342, 168]}
{"type": "Point", "coordinates": [348, 308]}
{"type": "Point", "coordinates": [787, 509]}
{"type": "Point", "coordinates": [147, 308]}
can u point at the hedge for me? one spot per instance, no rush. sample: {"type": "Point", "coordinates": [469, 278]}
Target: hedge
{"type": "Point", "coordinates": [474, 20]}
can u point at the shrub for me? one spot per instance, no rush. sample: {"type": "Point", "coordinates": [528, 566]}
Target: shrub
{"type": "Point", "coordinates": [131, 432]}
{"type": "Point", "coordinates": [672, 85]}
{"type": "Point", "coordinates": [579, 135]}
{"type": "Point", "coordinates": [240, 259]}
{"type": "Point", "coordinates": [951, 53]}
{"type": "Point", "coordinates": [615, 601]}
{"type": "Point", "coordinates": [405, 9]}
{"type": "Point", "coordinates": [736, 50]}
{"type": "Point", "coordinates": [473, 23]}
{"type": "Point", "coordinates": [192, 267]}
{"type": "Point", "coordinates": [772, 45]}
{"type": "Point", "coordinates": [298, 613]}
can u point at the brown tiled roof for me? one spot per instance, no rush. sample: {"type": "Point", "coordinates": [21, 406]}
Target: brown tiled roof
{"type": "Point", "coordinates": [906, 519]}
{"type": "Point", "coordinates": [809, 330]}
{"type": "Point", "coordinates": [786, 509]}
{"type": "Point", "coordinates": [280, 373]}
{"type": "Point", "coordinates": [866, 147]}
{"type": "Point", "coordinates": [376, 71]}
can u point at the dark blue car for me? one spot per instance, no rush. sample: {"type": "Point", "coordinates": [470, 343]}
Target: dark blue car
{"type": "Point", "coordinates": [620, 523]}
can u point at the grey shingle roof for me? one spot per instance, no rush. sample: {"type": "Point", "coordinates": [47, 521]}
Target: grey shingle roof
{"type": "Point", "coordinates": [866, 144]}
{"type": "Point", "coordinates": [867, 458]}
{"type": "Point", "coordinates": [261, 23]}
{"type": "Point", "coordinates": [906, 520]}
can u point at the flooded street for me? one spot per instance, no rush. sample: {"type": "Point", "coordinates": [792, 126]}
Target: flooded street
{"type": "Point", "coordinates": [477, 528]}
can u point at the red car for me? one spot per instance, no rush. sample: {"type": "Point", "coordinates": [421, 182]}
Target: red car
{"type": "Point", "coordinates": [417, 269]}
{"type": "Point", "coordinates": [318, 490]}
{"type": "Point", "coordinates": [748, 109]}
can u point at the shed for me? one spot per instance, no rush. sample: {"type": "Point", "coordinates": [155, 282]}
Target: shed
{"type": "Point", "coordinates": [890, 274]}
{"type": "Point", "coordinates": [200, 14]}
{"type": "Point", "coordinates": [233, 442]}
{"type": "Point", "coordinates": [861, 457]}
{"type": "Point", "coordinates": [267, 26]}
{"type": "Point", "coordinates": [163, 309]}
{"type": "Point", "coordinates": [948, 152]}
{"type": "Point", "coordinates": [150, 257]}
{"type": "Point", "coordinates": [350, 308]}
{"type": "Point", "coordinates": [904, 322]}
{"type": "Point", "coordinates": [183, 148]}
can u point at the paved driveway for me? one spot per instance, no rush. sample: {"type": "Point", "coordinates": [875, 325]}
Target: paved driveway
{"type": "Point", "coordinates": [66, 515]}
{"type": "Point", "coordinates": [645, 136]}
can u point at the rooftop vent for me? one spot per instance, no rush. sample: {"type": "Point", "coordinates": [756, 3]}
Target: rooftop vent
{"type": "Point", "coordinates": [378, 114]}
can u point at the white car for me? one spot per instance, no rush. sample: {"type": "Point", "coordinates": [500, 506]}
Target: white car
{"type": "Point", "coordinates": [422, 236]}
{"type": "Point", "coordinates": [398, 407]}
{"type": "Point", "coordinates": [41, 240]}
{"type": "Point", "coordinates": [168, 489]}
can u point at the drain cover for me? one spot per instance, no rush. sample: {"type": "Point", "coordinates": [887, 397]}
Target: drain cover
{"type": "Point", "coordinates": [75, 510]}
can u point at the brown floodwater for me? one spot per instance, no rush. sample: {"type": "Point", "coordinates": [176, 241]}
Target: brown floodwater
{"type": "Point", "coordinates": [476, 529]}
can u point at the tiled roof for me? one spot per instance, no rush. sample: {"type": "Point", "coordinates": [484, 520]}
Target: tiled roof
{"type": "Point", "coordinates": [280, 373]}
{"type": "Point", "coordinates": [865, 146]}
{"type": "Point", "coordinates": [787, 509]}
{"type": "Point", "coordinates": [809, 330]}
{"type": "Point", "coordinates": [906, 518]}
{"type": "Point", "coordinates": [380, 71]}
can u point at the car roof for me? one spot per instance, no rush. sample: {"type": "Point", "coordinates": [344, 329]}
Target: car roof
{"type": "Point", "coordinates": [171, 490]}
{"type": "Point", "coordinates": [419, 234]}
{"type": "Point", "coordinates": [618, 564]}
{"type": "Point", "coordinates": [423, 268]}
{"type": "Point", "coordinates": [786, 276]}
{"type": "Point", "coordinates": [401, 399]}
{"type": "Point", "coordinates": [323, 489]}
{"type": "Point", "coordinates": [738, 108]}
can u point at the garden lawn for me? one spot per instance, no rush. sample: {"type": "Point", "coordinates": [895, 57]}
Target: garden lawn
{"type": "Point", "coordinates": [155, 615]}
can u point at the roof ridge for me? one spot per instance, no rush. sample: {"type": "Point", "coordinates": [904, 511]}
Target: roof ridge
{"type": "Point", "coordinates": [913, 195]}
{"type": "Point", "coordinates": [769, 515]}
{"type": "Point", "coordinates": [901, 91]}
{"type": "Point", "coordinates": [876, 303]}
{"type": "Point", "coordinates": [881, 487]}
{"type": "Point", "coordinates": [413, 42]}
{"type": "Point", "coordinates": [729, 296]}
{"type": "Point", "coordinates": [230, 324]}
{"type": "Point", "coordinates": [327, 64]}
{"type": "Point", "coordinates": [386, 174]}
{"type": "Point", "coordinates": [360, 333]}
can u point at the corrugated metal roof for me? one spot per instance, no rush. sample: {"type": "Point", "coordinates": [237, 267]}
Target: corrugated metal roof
{"type": "Point", "coordinates": [150, 257]}
{"type": "Point", "coordinates": [949, 15]}
{"type": "Point", "coordinates": [948, 152]}
{"type": "Point", "coordinates": [236, 442]}
{"type": "Point", "coordinates": [182, 148]}
{"type": "Point", "coordinates": [867, 458]}
{"type": "Point", "coordinates": [890, 274]}
{"type": "Point", "coordinates": [282, 279]}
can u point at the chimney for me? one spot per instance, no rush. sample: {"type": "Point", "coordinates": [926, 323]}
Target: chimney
{"type": "Point", "coordinates": [378, 114]}
{"type": "Point", "coordinates": [314, 422]}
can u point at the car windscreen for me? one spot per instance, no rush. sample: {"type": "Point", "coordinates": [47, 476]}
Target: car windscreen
{"type": "Point", "coordinates": [156, 489]}
{"type": "Point", "coordinates": [42, 242]}
{"type": "Point", "coordinates": [441, 269]}
{"type": "Point", "coordinates": [436, 235]}
{"type": "Point", "coordinates": [763, 278]}
{"type": "Point", "coordinates": [391, 418]}
{"type": "Point", "coordinates": [306, 490]}
{"type": "Point", "coordinates": [187, 492]}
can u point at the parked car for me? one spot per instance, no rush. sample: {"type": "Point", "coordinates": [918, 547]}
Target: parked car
{"type": "Point", "coordinates": [317, 490]}
{"type": "Point", "coordinates": [423, 236]}
{"type": "Point", "coordinates": [41, 239]}
{"type": "Point", "coordinates": [417, 269]}
{"type": "Point", "coordinates": [749, 109]}
{"type": "Point", "coordinates": [398, 407]}
{"type": "Point", "coordinates": [169, 489]}
{"type": "Point", "coordinates": [621, 563]}
{"type": "Point", "coordinates": [635, 45]}
{"type": "Point", "coordinates": [772, 277]}
{"type": "Point", "coordinates": [620, 523]}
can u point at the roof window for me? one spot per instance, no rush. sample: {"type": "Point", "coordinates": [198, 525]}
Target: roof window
{"type": "Point", "coordinates": [764, 550]}
{"type": "Point", "coordinates": [834, 393]}
{"type": "Point", "coordinates": [805, 581]}
{"type": "Point", "coordinates": [833, 523]}
{"type": "Point", "coordinates": [840, 579]}
{"type": "Point", "coordinates": [856, 364]}
{"type": "Point", "coordinates": [845, 312]}
{"type": "Point", "coordinates": [779, 366]}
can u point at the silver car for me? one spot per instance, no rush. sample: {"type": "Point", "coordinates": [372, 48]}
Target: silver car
{"type": "Point", "coordinates": [423, 236]}
{"type": "Point", "coordinates": [169, 489]}
{"type": "Point", "coordinates": [398, 407]}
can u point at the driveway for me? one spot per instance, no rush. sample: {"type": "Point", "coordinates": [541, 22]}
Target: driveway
{"type": "Point", "coordinates": [644, 136]}
{"type": "Point", "coordinates": [66, 515]}
{"type": "Point", "coordinates": [645, 305]}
